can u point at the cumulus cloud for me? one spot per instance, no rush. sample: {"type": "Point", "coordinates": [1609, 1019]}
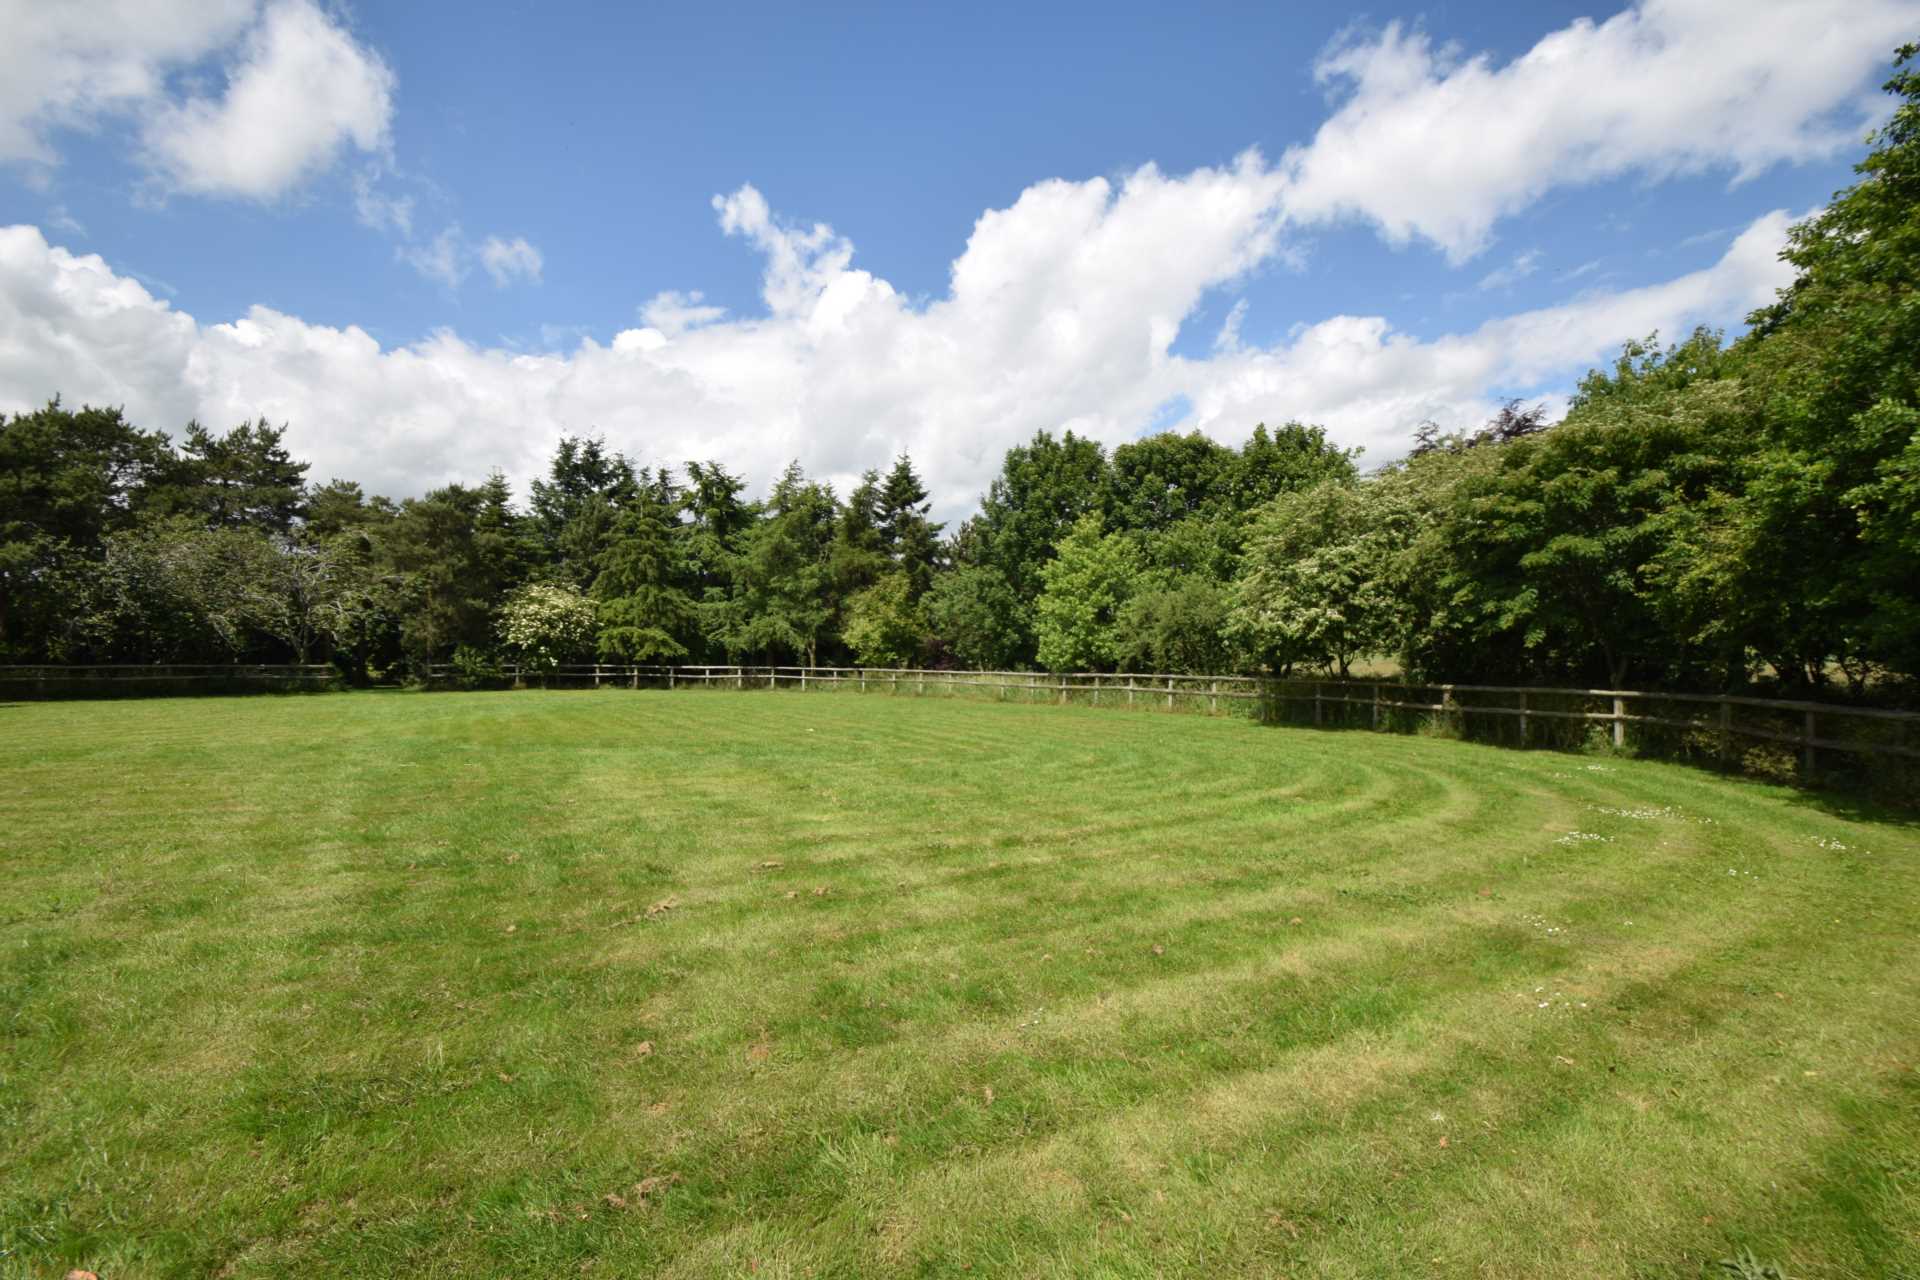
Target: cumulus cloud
{"type": "Point", "coordinates": [1050, 322]}
{"type": "Point", "coordinates": [298, 88]}
{"type": "Point", "coordinates": [1428, 142]}
{"type": "Point", "coordinates": [299, 92]}
{"type": "Point", "coordinates": [68, 66]}
{"type": "Point", "coordinates": [510, 260]}
{"type": "Point", "coordinates": [1369, 384]}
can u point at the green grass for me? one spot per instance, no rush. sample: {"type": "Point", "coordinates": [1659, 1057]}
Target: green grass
{"type": "Point", "coordinates": [429, 985]}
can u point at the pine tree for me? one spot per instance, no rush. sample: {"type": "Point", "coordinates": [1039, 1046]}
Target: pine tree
{"type": "Point", "coordinates": [644, 609]}
{"type": "Point", "coordinates": [909, 539]}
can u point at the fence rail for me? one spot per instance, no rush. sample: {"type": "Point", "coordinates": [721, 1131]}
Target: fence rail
{"type": "Point", "coordinates": [42, 679]}
{"type": "Point", "coordinates": [1771, 737]}
{"type": "Point", "coordinates": [1712, 725]}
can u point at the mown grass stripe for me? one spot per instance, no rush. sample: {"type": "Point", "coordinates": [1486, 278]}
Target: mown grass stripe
{"type": "Point", "coordinates": [260, 1009]}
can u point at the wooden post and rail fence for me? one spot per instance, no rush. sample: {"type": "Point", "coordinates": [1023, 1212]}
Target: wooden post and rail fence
{"type": "Point", "coordinates": [1720, 727]}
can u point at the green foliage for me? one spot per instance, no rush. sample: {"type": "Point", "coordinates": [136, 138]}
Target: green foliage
{"type": "Point", "coordinates": [1833, 488]}
{"type": "Point", "coordinates": [885, 627]}
{"type": "Point", "coordinates": [239, 479]}
{"type": "Point", "coordinates": [1043, 488]}
{"type": "Point", "coordinates": [909, 539]}
{"type": "Point", "coordinates": [445, 578]}
{"type": "Point", "coordinates": [574, 509]}
{"type": "Point", "coordinates": [781, 605]}
{"type": "Point", "coordinates": [975, 614]}
{"type": "Point", "coordinates": [475, 668]}
{"type": "Point", "coordinates": [1177, 625]}
{"type": "Point", "coordinates": [1317, 585]}
{"type": "Point", "coordinates": [67, 480]}
{"type": "Point", "coordinates": [1077, 619]}
{"type": "Point", "coordinates": [1287, 459]}
{"type": "Point", "coordinates": [1157, 481]}
{"type": "Point", "coordinates": [645, 613]}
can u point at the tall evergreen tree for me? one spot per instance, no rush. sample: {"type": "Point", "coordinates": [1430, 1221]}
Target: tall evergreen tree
{"type": "Point", "coordinates": [68, 479]}
{"type": "Point", "coordinates": [713, 537]}
{"type": "Point", "coordinates": [574, 508]}
{"type": "Point", "coordinates": [242, 479]}
{"type": "Point", "coordinates": [645, 611]}
{"type": "Point", "coordinates": [783, 604]}
{"type": "Point", "coordinates": [909, 538]}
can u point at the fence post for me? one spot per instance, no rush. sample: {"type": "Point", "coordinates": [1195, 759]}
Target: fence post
{"type": "Point", "coordinates": [1169, 693]}
{"type": "Point", "coordinates": [1213, 699]}
{"type": "Point", "coordinates": [1129, 690]}
{"type": "Point", "coordinates": [1063, 688]}
{"type": "Point", "coordinates": [1376, 706]}
{"type": "Point", "coordinates": [1523, 717]}
{"type": "Point", "coordinates": [1096, 691]}
{"type": "Point", "coordinates": [669, 679]}
{"type": "Point", "coordinates": [1619, 723]}
{"type": "Point", "coordinates": [1806, 754]}
{"type": "Point", "coordinates": [1316, 704]}
{"type": "Point", "coordinates": [803, 679]}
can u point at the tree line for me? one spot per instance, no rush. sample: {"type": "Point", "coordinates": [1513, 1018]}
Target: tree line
{"type": "Point", "coordinates": [1707, 514]}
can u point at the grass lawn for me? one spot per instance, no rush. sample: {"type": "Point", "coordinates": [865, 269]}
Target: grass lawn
{"type": "Point", "coordinates": [788, 984]}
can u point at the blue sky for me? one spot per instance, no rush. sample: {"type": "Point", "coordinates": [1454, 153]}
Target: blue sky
{"type": "Point", "coordinates": [427, 236]}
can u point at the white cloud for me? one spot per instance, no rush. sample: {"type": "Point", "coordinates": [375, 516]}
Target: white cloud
{"type": "Point", "coordinates": [1228, 338]}
{"type": "Point", "coordinates": [449, 257]}
{"type": "Point", "coordinates": [443, 258]}
{"type": "Point", "coordinates": [1428, 143]}
{"type": "Point", "coordinates": [510, 260]}
{"type": "Point", "coordinates": [673, 312]}
{"type": "Point", "coordinates": [299, 92]}
{"type": "Point", "coordinates": [1369, 384]}
{"type": "Point", "coordinates": [377, 209]}
{"type": "Point", "coordinates": [60, 220]}
{"type": "Point", "coordinates": [1052, 321]}
{"type": "Point", "coordinates": [298, 88]}
{"type": "Point", "coordinates": [69, 65]}
{"type": "Point", "coordinates": [1522, 266]}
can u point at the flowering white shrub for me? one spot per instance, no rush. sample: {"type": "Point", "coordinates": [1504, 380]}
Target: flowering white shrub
{"type": "Point", "coordinates": [545, 624]}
